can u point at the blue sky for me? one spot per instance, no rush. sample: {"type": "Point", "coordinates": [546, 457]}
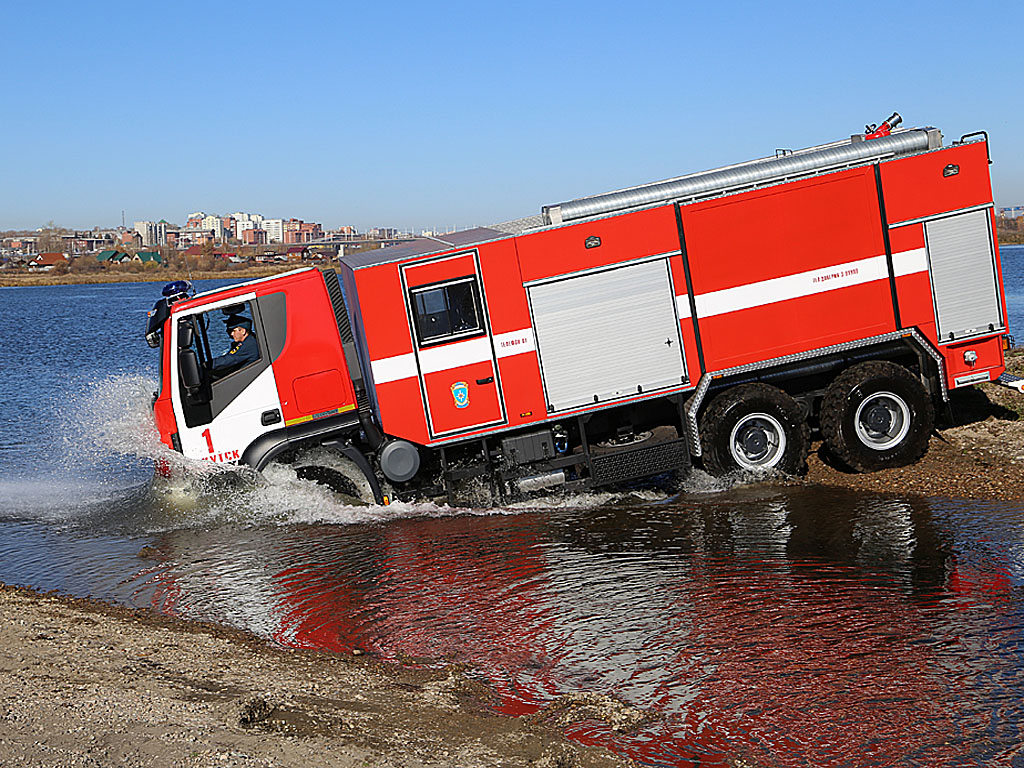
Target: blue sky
{"type": "Point", "coordinates": [456, 114]}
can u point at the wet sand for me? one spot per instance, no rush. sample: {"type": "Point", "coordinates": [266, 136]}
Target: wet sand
{"type": "Point", "coordinates": [88, 684]}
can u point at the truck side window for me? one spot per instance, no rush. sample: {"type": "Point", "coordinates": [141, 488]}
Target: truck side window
{"type": "Point", "coordinates": [221, 361]}
{"type": "Point", "coordinates": [446, 312]}
{"type": "Point", "coordinates": [231, 338]}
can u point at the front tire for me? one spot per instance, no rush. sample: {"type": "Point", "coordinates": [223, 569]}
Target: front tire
{"type": "Point", "coordinates": [339, 473]}
{"type": "Point", "coordinates": [754, 428]}
{"type": "Point", "coordinates": [876, 415]}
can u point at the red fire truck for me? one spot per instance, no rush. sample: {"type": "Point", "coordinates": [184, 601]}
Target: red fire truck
{"type": "Point", "coordinates": [717, 318]}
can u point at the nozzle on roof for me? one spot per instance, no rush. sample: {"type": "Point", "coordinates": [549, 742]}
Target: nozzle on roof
{"type": "Point", "coordinates": [872, 132]}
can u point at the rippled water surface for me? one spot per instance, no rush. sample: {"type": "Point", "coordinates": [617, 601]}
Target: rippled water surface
{"type": "Point", "coordinates": [777, 627]}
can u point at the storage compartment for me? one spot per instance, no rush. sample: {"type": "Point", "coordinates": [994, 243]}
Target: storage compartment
{"type": "Point", "coordinates": [961, 261]}
{"type": "Point", "coordinates": [935, 182]}
{"type": "Point", "coordinates": [607, 334]}
{"type": "Point", "coordinates": [526, 449]}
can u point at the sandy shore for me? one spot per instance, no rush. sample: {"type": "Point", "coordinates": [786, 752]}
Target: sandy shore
{"type": "Point", "coordinates": [241, 274]}
{"type": "Point", "coordinates": [86, 684]}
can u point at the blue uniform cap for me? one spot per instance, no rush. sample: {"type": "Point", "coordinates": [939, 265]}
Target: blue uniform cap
{"type": "Point", "coordinates": [237, 321]}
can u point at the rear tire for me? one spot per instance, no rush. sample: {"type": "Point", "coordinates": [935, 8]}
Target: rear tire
{"type": "Point", "coordinates": [876, 415]}
{"type": "Point", "coordinates": [754, 428]}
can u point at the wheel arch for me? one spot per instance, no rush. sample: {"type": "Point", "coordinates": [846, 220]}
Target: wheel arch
{"type": "Point", "coordinates": [268, 446]}
{"type": "Point", "coordinates": [337, 436]}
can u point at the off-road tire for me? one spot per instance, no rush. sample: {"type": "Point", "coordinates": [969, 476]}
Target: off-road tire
{"type": "Point", "coordinates": [876, 415]}
{"type": "Point", "coordinates": [337, 472]}
{"type": "Point", "coordinates": [762, 411]}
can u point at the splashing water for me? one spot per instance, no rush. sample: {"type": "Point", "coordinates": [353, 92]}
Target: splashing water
{"type": "Point", "coordinates": [109, 447]}
{"type": "Point", "coordinates": [98, 457]}
{"type": "Point", "coordinates": [111, 419]}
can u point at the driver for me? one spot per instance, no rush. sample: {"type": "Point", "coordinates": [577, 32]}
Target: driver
{"type": "Point", "coordinates": [244, 348]}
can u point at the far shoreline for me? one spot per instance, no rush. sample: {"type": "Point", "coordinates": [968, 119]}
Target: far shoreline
{"type": "Point", "coordinates": [163, 276]}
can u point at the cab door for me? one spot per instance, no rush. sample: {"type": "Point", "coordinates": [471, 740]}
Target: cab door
{"type": "Point", "coordinates": [219, 419]}
{"type": "Point", "coordinates": [453, 344]}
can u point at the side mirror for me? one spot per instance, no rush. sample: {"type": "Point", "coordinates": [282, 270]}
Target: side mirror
{"type": "Point", "coordinates": [186, 335]}
{"type": "Point", "coordinates": [188, 367]}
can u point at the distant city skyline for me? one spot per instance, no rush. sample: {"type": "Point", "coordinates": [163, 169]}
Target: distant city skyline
{"type": "Point", "coordinates": [427, 117]}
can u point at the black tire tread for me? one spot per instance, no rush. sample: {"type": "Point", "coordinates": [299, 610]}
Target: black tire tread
{"type": "Point", "coordinates": [798, 437]}
{"type": "Point", "coordinates": [834, 411]}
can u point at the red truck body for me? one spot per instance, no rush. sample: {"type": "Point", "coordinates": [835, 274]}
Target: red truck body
{"type": "Point", "coordinates": [719, 316]}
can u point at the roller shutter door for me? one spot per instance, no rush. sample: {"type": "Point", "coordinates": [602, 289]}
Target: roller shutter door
{"type": "Point", "coordinates": [607, 335]}
{"type": "Point", "coordinates": [962, 265]}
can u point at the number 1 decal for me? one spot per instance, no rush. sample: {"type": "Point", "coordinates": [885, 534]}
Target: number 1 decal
{"type": "Point", "coordinates": [209, 440]}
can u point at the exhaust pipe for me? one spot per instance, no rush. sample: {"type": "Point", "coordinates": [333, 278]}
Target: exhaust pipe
{"type": "Point", "coordinates": [540, 482]}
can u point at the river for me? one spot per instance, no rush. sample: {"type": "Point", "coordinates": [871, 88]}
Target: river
{"type": "Point", "coordinates": [782, 627]}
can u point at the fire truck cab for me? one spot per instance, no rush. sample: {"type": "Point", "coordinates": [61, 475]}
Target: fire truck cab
{"type": "Point", "coordinates": [720, 318]}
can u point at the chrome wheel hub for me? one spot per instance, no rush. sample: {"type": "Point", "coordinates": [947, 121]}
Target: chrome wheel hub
{"type": "Point", "coordinates": [882, 421]}
{"type": "Point", "coordinates": [757, 442]}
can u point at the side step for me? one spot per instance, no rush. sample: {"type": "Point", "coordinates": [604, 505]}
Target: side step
{"type": "Point", "coordinates": [633, 463]}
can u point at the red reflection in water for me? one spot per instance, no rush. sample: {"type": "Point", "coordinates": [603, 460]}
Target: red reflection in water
{"type": "Point", "coordinates": [992, 584]}
{"type": "Point", "coordinates": [774, 662]}
{"type": "Point", "coordinates": [433, 603]}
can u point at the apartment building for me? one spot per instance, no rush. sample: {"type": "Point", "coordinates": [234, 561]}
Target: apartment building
{"type": "Point", "coordinates": [274, 229]}
{"type": "Point", "coordinates": [152, 232]}
{"type": "Point", "coordinates": [299, 231]}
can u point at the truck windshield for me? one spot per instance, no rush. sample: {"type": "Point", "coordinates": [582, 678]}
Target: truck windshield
{"type": "Point", "coordinates": [219, 356]}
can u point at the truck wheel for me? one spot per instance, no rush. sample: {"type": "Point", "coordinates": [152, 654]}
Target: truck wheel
{"type": "Point", "coordinates": [755, 428]}
{"type": "Point", "coordinates": [876, 415]}
{"type": "Point", "coordinates": [337, 472]}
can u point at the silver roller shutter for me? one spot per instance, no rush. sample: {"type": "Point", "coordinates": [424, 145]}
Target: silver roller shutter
{"type": "Point", "coordinates": [607, 335]}
{"type": "Point", "coordinates": [962, 265]}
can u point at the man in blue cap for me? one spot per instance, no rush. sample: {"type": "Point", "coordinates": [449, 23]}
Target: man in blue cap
{"type": "Point", "coordinates": [172, 292]}
{"type": "Point", "coordinates": [244, 348]}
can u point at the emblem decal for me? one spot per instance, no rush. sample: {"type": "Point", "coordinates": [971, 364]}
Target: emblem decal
{"type": "Point", "coordinates": [460, 393]}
